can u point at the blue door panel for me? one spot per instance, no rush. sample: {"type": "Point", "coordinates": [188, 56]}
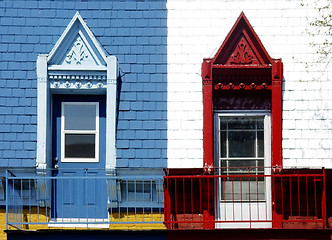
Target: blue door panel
{"type": "Point", "coordinates": [67, 188]}
{"type": "Point", "coordinates": [90, 188]}
{"type": "Point", "coordinates": [80, 190]}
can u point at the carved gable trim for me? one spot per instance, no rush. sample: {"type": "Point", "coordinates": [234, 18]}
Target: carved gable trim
{"type": "Point", "coordinates": [242, 46]}
{"type": "Point", "coordinates": [79, 53]}
{"type": "Point", "coordinates": [243, 54]}
{"type": "Point", "coordinates": [242, 73]}
{"type": "Point", "coordinates": [77, 49]}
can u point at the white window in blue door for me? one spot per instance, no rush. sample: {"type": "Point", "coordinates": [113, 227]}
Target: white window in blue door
{"type": "Point", "coordinates": [80, 132]}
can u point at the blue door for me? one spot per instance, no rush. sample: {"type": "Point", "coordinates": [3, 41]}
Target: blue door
{"type": "Point", "coordinates": [79, 142]}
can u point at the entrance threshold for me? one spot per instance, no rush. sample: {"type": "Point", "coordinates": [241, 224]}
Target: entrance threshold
{"type": "Point", "coordinates": [79, 223]}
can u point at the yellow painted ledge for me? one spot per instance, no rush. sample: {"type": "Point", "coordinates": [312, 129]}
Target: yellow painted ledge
{"type": "Point", "coordinates": [31, 215]}
{"type": "Point", "coordinates": [3, 235]}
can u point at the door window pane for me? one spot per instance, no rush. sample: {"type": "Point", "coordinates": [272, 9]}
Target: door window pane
{"type": "Point", "coordinates": [80, 132]}
{"type": "Point", "coordinates": [241, 123]}
{"type": "Point", "coordinates": [242, 190]}
{"type": "Point", "coordinates": [241, 143]}
{"type": "Point", "coordinates": [223, 147]}
{"type": "Point", "coordinates": [241, 154]}
{"type": "Point", "coordinates": [241, 137]}
{"type": "Point", "coordinates": [80, 145]}
{"type": "Point", "coordinates": [241, 165]}
{"type": "Point", "coordinates": [80, 117]}
{"type": "Point", "coordinates": [260, 143]}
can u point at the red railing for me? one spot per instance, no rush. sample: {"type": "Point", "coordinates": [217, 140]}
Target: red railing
{"type": "Point", "coordinates": [255, 199]}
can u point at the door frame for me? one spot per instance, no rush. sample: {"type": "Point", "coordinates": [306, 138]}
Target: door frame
{"type": "Point", "coordinates": [267, 171]}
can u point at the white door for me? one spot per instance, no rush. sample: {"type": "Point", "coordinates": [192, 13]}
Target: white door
{"type": "Point", "coordinates": [243, 156]}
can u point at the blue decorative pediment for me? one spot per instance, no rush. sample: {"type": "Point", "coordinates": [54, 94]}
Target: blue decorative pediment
{"type": "Point", "coordinates": [77, 64]}
{"type": "Point", "coordinates": [77, 49]}
{"type": "Point", "coordinates": [79, 54]}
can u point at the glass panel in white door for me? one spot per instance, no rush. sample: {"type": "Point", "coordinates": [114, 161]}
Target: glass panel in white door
{"type": "Point", "coordinates": [243, 158]}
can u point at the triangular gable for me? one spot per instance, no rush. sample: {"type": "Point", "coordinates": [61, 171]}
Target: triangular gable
{"type": "Point", "coordinates": [242, 46]}
{"type": "Point", "coordinates": [77, 49]}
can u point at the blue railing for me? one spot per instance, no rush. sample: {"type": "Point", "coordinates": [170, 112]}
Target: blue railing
{"type": "Point", "coordinates": [81, 198]}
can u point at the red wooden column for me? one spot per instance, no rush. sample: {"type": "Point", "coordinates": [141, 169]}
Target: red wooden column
{"type": "Point", "coordinates": [208, 196]}
{"type": "Point", "coordinates": [276, 101]}
{"type": "Point", "coordinates": [207, 114]}
{"type": "Point", "coordinates": [276, 138]}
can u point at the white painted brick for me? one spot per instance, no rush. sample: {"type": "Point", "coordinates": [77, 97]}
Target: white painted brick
{"type": "Point", "coordinates": [314, 104]}
{"type": "Point", "coordinates": [175, 68]}
{"type": "Point", "coordinates": [321, 153]}
{"type": "Point", "coordinates": [303, 163]}
{"type": "Point", "coordinates": [294, 114]}
{"type": "Point", "coordinates": [194, 115]}
{"type": "Point", "coordinates": [321, 134]}
{"type": "Point", "coordinates": [286, 134]}
{"type": "Point", "coordinates": [289, 163]}
{"type": "Point", "coordinates": [302, 124]}
{"type": "Point", "coordinates": [313, 143]}
{"type": "Point", "coordinates": [195, 153]}
{"type": "Point", "coordinates": [185, 143]}
{"type": "Point", "coordinates": [309, 134]}
{"type": "Point", "coordinates": [327, 163]}
{"type": "Point", "coordinates": [309, 153]}
{"type": "Point", "coordinates": [195, 136]}
{"type": "Point", "coordinates": [174, 124]}
{"type": "Point", "coordinates": [174, 163]}
{"type": "Point", "coordinates": [302, 143]}
{"type": "Point", "coordinates": [288, 105]}
{"type": "Point", "coordinates": [196, 29]}
{"type": "Point", "coordinates": [196, 125]}
{"type": "Point", "coordinates": [289, 124]}
{"type": "Point", "coordinates": [182, 153]}
{"type": "Point", "coordinates": [286, 153]}
{"type": "Point", "coordinates": [192, 163]}
{"type": "Point", "coordinates": [288, 143]}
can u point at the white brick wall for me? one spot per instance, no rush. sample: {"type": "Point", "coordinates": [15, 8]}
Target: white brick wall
{"type": "Point", "coordinates": [196, 29]}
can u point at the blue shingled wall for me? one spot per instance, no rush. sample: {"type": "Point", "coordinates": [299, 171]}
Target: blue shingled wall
{"type": "Point", "coordinates": [134, 31]}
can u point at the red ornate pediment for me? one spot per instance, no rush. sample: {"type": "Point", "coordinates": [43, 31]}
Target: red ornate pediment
{"type": "Point", "coordinates": [242, 54]}
{"type": "Point", "coordinates": [242, 76]}
{"type": "Point", "coordinates": [242, 47]}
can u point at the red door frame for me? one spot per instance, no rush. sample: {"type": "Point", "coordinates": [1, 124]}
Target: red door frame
{"type": "Point", "coordinates": [242, 53]}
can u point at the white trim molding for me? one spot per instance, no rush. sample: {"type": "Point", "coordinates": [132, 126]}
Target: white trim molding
{"type": "Point", "coordinates": [77, 64]}
{"type": "Point", "coordinates": [43, 116]}
{"type": "Point", "coordinates": [112, 75]}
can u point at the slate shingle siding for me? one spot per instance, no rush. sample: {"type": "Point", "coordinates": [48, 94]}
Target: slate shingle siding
{"type": "Point", "coordinates": [135, 32]}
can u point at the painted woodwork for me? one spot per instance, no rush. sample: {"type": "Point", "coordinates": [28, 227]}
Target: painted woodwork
{"type": "Point", "coordinates": [242, 69]}
{"type": "Point", "coordinates": [76, 66]}
{"type": "Point", "coordinates": [242, 65]}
